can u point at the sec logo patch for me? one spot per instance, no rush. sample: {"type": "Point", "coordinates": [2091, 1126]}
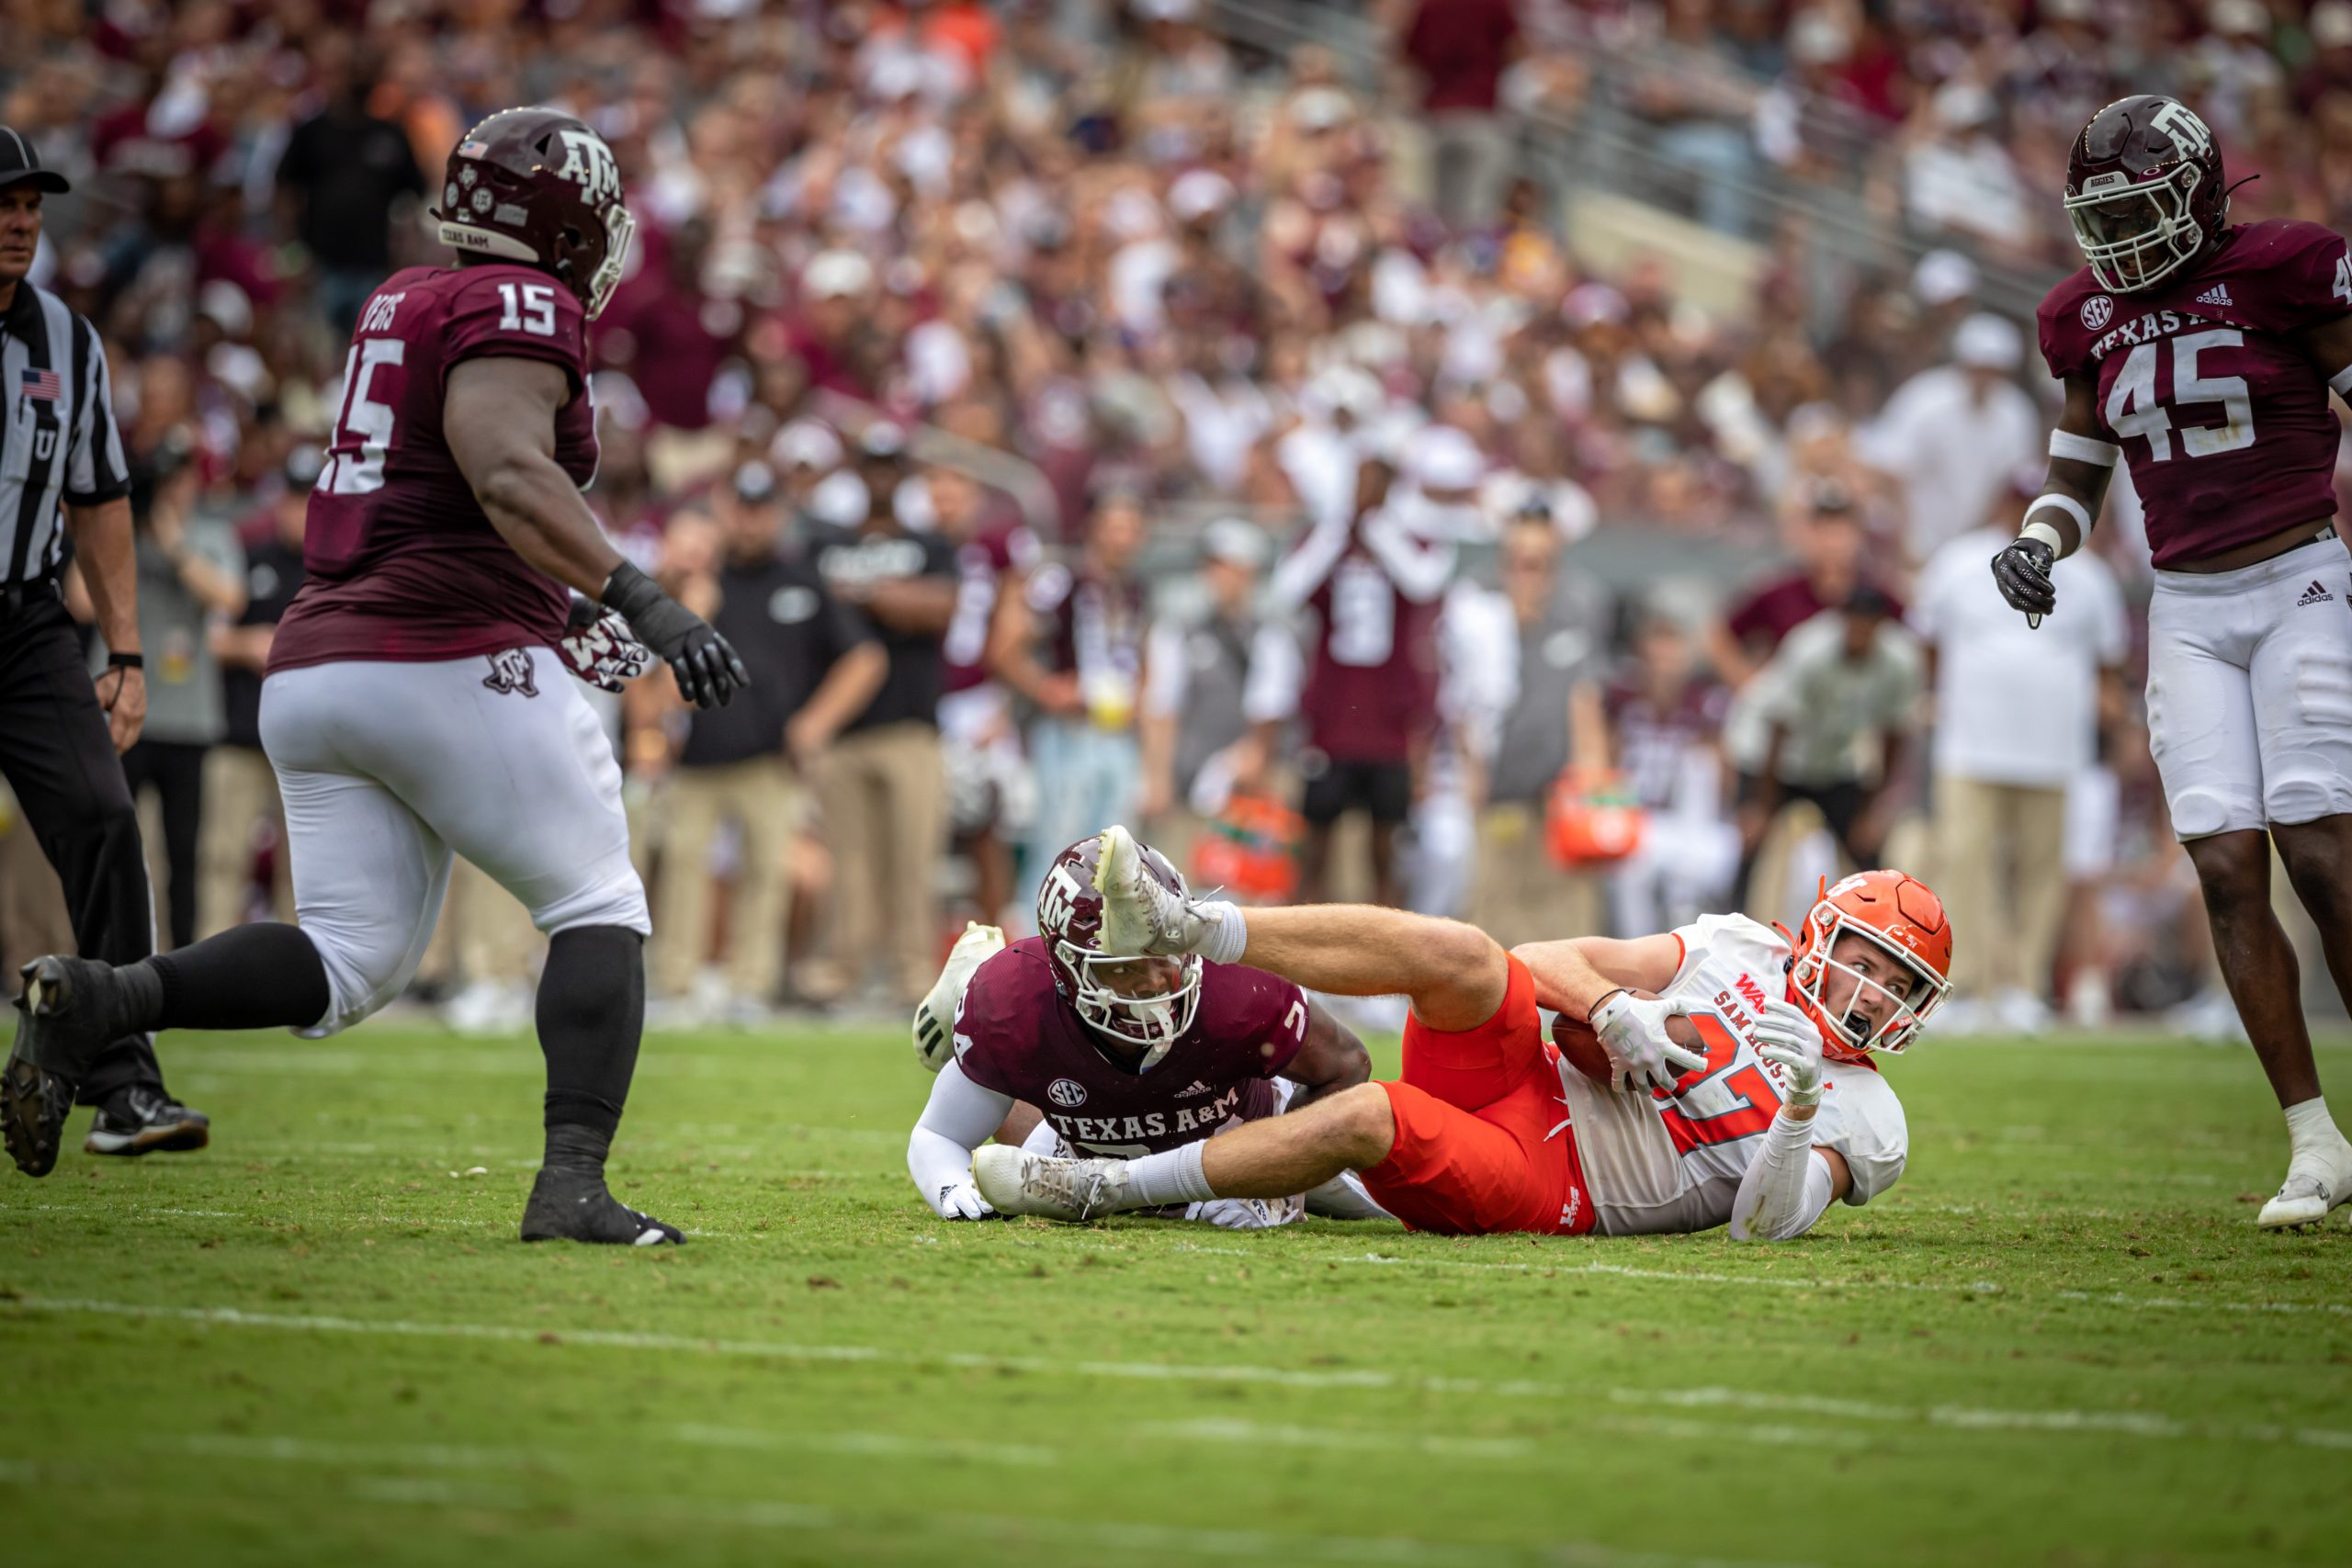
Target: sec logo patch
{"type": "Point", "coordinates": [1066, 1092]}
{"type": "Point", "coordinates": [2098, 311]}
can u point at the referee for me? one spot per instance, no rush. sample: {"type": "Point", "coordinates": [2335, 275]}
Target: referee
{"type": "Point", "coordinates": [61, 735]}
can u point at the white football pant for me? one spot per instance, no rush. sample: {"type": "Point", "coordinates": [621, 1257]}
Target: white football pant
{"type": "Point", "coordinates": [388, 768]}
{"type": "Point", "coordinates": [2250, 692]}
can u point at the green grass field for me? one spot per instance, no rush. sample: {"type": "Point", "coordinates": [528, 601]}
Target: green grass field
{"type": "Point", "coordinates": [2060, 1341]}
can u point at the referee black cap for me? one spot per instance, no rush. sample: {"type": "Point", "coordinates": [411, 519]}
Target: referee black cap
{"type": "Point", "coordinates": [21, 164]}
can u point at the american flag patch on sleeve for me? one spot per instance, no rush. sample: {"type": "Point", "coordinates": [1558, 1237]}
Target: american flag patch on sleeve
{"type": "Point", "coordinates": [40, 386]}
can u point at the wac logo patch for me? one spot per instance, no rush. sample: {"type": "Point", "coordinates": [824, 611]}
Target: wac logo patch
{"type": "Point", "coordinates": [588, 162]}
{"type": "Point", "coordinates": [2098, 311]}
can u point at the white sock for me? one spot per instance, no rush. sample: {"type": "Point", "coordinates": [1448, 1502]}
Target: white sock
{"type": "Point", "coordinates": [2311, 1130]}
{"type": "Point", "coordinates": [1225, 932]}
{"type": "Point", "coordinates": [1172, 1178]}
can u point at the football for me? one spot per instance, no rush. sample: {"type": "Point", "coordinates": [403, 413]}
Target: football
{"type": "Point", "coordinates": [1582, 1047]}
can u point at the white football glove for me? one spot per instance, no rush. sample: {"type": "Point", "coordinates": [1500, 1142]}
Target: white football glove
{"type": "Point", "coordinates": [1785, 1037]}
{"type": "Point", "coordinates": [963, 1201]}
{"type": "Point", "coordinates": [1634, 1033]}
{"type": "Point", "coordinates": [1247, 1214]}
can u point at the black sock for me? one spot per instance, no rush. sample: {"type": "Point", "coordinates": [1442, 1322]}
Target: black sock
{"type": "Point", "coordinates": [591, 1013]}
{"type": "Point", "coordinates": [245, 977]}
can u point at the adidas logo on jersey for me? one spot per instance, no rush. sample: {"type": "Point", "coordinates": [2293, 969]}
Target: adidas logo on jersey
{"type": "Point", "coordinates": [2217, 295]}
{"type": "Point", "coordinates": [1198, 1088]}
{"type": "Point", "coordinates": [2315, 594]}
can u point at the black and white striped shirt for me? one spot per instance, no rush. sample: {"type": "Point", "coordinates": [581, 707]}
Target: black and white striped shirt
{"type": "Point", "coordinates": [62, 445]}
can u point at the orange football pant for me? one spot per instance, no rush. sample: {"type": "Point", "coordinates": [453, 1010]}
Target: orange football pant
{"type": "Point", "coordinates": [1483, 1142]}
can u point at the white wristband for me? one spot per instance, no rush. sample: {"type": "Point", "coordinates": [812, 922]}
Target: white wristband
{"type": "Point", "coordinates": [2045, 534]}
{"type": "Point", "coordinates": [2084, 448]}
{"type": "Point", "coordinates": [2341, 382]}
{"type": "Point", "coordinates": [2065, 504]}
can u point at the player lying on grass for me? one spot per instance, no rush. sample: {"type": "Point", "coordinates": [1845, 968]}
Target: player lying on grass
{"type": "Point", "coordinates": [1780, 1113]}
{"type": "Point", "coordinates": [1061, 1048]}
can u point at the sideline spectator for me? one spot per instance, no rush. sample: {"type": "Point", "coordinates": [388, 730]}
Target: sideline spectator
{"type": "Point", "coordinates": [814, 666]}
{"type": "Point", "coordinates": [1826, 534]}
{"type": "Point", "coordinates": [346, 169]}
{"type": "Point", "coordinates": [1460, 47]}
{"type": "Point", "coordinates": [881, 787]}
{"type": "Point", "coordinates": [1199, 749]}
{"type": "Point", "coordinates": [1953, 435]}
{"type": "Point", "coordinates": [1558, 635]}
{"type": "Point", "coordinates": [191, 572]}
{"type": "Point", "coordinates": [1666, 717]}
{"type": "Point", "coordinates": [1072, 647]}
{"type": "Point", "coordinates": [240, 787]}
{"type": "Point", "coordinates": [1846, 677]}
{"type": "Point", "coordinates": [2017, 715]}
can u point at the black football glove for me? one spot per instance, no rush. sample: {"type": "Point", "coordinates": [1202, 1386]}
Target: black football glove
{"type": "Point", "coordinates": [2022, 572]}
{"type": "Point", "coordinates": [709, 673]}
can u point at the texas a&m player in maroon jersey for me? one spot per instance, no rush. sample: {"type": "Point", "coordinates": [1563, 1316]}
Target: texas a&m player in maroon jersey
{"type": "Point", "coordinates": [417, 702]}
{"type": "Point", "coordinates": [2202, 353]}
{"type": "Point", "coordinates": [1068, 1051]}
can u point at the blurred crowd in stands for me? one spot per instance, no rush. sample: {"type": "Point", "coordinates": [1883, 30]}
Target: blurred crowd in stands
{"type": "Point", "coordinates": [1075, 414]}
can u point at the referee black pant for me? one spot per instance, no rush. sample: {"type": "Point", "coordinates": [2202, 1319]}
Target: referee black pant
{"type": "Point", "coordinates": [59, 757]}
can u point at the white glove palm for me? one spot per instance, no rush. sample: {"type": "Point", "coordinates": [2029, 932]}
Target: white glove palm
{"type": "Point", "coordinates": [1247, 1214]}
{"type": "Point", "coordinates": [1633, 1032]}
{"type": "Point", "coordinates": [1785, 1037]}
{"type": "Point", "coordinates": [963, 1201]}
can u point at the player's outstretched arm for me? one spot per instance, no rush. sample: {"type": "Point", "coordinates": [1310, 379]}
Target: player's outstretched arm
{"type": "Point", "coordinates": [2081, 462]}
{"type": "Point", "coordinates": [1455, 974]}
{"type": "Point", "coordinates": [958, 1119]}
{"type": "Point", "coordinates": [500, 422]}
{"type": "Point", "coordinates": [1594, 979]}
{"type": "Point", "coordinates": [1791, 1181]}
{"type": "Point", "coordinates": [1331, 1060]}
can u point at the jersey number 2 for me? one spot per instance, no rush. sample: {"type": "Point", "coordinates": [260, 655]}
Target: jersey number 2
{"type": "Point", "coordinates": [1758, 1102]}
{"type": "Point", "coordinates": [2134, 409]}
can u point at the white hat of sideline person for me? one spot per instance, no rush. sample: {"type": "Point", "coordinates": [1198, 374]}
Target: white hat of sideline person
{"type": "Point", "coordinates": [1943, 276]}
{"type": "Point", "coordinates": [806, 444]}
{"type": "Point", "coordinates": [1233, 542]}
{"type": "Point", "coordinates": [1987, 342]}
{"type": "Point", "coordinates": [837, 274]}
{"type": "Point", "coordinates": [1442, 460]}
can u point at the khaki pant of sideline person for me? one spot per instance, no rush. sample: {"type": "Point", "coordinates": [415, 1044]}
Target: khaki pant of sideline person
{"type": "Point", "coordinates": [1523, 895]}
{"type": "Point", "coordinates": [883, 792]}
{"type": "Point", "coordinates": [763, 799]}
{"type": "Point", "coordinates": [240, 790]}
{"type": "Point", "coordinates": [1991, 836]}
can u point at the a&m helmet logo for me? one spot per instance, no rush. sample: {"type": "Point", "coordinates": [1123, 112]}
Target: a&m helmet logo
{"type": "Point", "coordinates": [589, 163]}
{"type": "Point", "coordinates": [1067, 1093]}
{"type": "Point", "coordinates": [2098, 311]}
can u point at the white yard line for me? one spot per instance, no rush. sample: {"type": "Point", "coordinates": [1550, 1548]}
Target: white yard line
{"type": "Point", "coordinates": [884, 1444]}
{"type": "Point", "coordinates": [2139, 1424]}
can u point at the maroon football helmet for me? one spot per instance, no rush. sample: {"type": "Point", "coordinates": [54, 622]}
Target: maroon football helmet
{"type": "Point", "coordinates": [538, 186]}
{"type": "Point", "coordinates": [2144, 191]}
{"type": "Point", "coordinates": [1140, 1003]}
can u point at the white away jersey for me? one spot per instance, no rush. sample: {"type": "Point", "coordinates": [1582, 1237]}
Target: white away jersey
{"type": "Point", "coordinates": [1659, 1163]}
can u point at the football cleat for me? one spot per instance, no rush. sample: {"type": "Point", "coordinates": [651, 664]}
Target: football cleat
{"type": "Point", "coordinates": [142, 1120]}
{"type": "Point", "coordinates": [934, 1026]}
{"type": "Point", "coordinates": [62, 1025]}
{"type": "Point", "coordinates": [2311, 1189]}
{"type": "Point", "coordinates": [573, 1206]}
{"type": "Point", "coordinates": [1017, 1182]}
{"type": "Point", "coordinates": [1141, 913]}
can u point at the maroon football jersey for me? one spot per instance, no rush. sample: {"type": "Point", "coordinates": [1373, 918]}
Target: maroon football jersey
{"type": "Point", "coordinates": [401, 563]}
{"type": "Point", "coordinates": [2224, 422]}
{"type": "Point", "coordinates": [981, 563]}
{"type": "Point", "coordinates": [1371, 693]}
{"type": "Point", "coordinates": [1092, 626]}
{"type": "Point", "coordinates": [1015, 1034]}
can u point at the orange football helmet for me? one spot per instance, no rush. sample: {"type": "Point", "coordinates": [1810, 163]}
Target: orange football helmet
{"type": "Point", "coordinates": [1896, 913]}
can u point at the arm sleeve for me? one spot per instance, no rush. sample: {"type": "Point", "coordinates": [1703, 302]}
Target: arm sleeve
{"type": "Point", "coordinates": [958, 1120]}
{"type": "Point", "coordinates": [1787, 1187]}
{"type": "Point", "coordinates": [94, 472]}
{"type": "Point", "coordinates": [544, 321]}
{"type": "Point", "coordinates": [1420, 568]}
{"type": "Point", "coordinates": [1298, 574]}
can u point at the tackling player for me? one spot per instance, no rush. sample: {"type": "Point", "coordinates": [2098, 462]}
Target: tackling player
{"type": "Point", "coordinates": [1061, 1048]}
{"type": "Point", "coordinates": [1490, 1129]}
{"type": "Point", "coordinates": [416, 704]}
{"type": "Point", "coordinates": [2203, 353]}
